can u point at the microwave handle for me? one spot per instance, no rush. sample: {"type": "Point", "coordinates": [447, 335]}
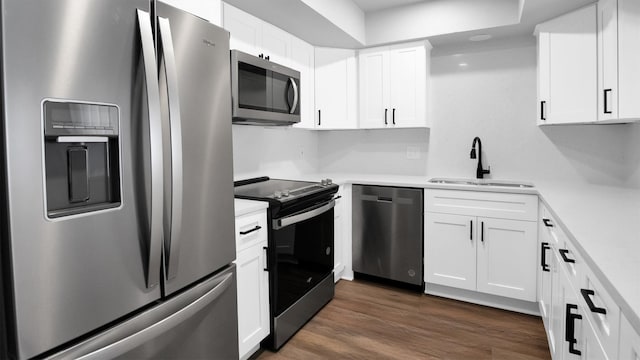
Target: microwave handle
{"type": "Point", "coordinates": [295, 95]}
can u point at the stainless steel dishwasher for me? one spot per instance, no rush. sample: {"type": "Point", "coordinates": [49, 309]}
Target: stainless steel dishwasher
{"type": "Point", "coordinates": [387, 232]}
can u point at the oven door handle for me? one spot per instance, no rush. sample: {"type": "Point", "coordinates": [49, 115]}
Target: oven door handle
{"type": "Point", "coordinates": [290, 220]}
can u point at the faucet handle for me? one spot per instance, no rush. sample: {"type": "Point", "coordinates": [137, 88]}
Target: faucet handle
{"type": "Point", "coordinates": [488, 171]}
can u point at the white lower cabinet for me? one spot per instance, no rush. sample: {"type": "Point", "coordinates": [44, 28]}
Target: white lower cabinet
{"type": "Point", "coordinates": [629, 341]}
{"type": "Point", "coordinates": [581, 319]}
{"type": "Point", "coordinates": [253, 282]}
{"type": "Point", "coordinates": [466, 247]}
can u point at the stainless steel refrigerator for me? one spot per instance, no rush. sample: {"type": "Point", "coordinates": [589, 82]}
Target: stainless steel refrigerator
{"type": "Point", "coordinates": [117, 185]}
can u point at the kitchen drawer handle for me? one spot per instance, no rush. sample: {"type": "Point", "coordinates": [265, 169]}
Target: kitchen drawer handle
{"type": "Point", "coordinates": [586, 294]}
{"type": "Point", "coordinates": [258, 227]}
{"type": "Point", "coordinates": [547, 222]}
{"type": "Point", "coordinates": [563, 254]}
{"type": "Point", "coordinates": [385, 116]}
{"type": "Point", "coordinates": [542, 109]}
{"type": "Point", "coordinates": [393, 116]}
{"type": "Point", "coordinates": [482, 231]}
{"type": "Point", "coordinates": [471, 230]}
{"type": "Point", "coordinates": [543, 258]}
{"type": "Point", "coordinates": [570, 331]}
{"type": "Point", "coordinates": [319, 118]}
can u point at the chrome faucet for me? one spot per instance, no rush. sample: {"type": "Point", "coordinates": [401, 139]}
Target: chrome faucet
{"type": "Point", "coordinates": [480, 172]}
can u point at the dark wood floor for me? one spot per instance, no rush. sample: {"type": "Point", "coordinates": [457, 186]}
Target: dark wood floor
{"type": "Point", "coordinates": [370, 321]}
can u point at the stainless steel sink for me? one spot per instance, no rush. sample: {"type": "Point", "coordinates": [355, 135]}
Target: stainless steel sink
{"type": "Point", "coordinates": [482, 182]}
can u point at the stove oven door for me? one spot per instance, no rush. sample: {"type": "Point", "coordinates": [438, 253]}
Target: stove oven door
{"type": "Point", "coordinates": [303, 254]}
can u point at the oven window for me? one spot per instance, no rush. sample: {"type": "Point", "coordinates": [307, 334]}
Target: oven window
{"type": "Point", "coordinates": [304, 256]}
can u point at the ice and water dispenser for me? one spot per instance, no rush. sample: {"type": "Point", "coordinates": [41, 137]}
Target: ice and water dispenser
{"type": "Point", "coordinates": [82, 160]}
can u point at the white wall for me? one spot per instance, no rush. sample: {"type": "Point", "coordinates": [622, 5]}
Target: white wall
{"type": "Point", "coordinates": [210, 10]}
{"type": "Point", "coordinates": [494, 97]}
{"type": "Point", "coordinates": [273, 151]}
{"type": "Point", "coordinates": [374, 151]}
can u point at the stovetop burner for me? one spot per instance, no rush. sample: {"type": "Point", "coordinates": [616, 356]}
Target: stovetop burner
{"type": "Point", "coordinates": [280, 190]}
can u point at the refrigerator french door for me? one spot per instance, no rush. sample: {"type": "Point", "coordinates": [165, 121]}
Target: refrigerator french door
{"type": "Point", "coordinates": [118, 222]}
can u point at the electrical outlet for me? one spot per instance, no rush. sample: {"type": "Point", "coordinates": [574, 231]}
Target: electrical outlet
{"type": "Point", "coordinates": [301, 153]}
{"type": "Point", "coordinates": [413, 153]}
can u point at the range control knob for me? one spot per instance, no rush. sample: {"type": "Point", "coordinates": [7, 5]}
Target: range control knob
{"type": "Point", "coordinates": [277, 194]}
{"type": "Point", "coordinates": [285, 193]}
{"type": "Point", "coordinates": [323, 182]}
{"type": "Point", "coordinates": [329, 181]}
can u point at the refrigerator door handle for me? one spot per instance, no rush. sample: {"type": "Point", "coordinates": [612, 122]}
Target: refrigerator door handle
{"type": "Point", "coordinates": [172, 243]}
{"type": "Point", "coordinates": [128, 336]}
{"type": "Point", "coordinates": [155, 141]}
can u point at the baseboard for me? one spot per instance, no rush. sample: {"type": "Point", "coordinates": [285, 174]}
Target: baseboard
{"type": "Point", "coordinates": [525, 307]}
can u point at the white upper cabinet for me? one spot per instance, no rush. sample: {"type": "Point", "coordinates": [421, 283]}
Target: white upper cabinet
{"type": "Point", "coordinates": [618, 59]}
{"type": "Point", "coordinates": [256, 37]}
{"type": "Point", "coordinates": [567, 68]}
{"type": "Point", "coordinates": [335, 92]}
{"type": "Point", "coordinates": [393, 86]}
{"type": "Point", "coordinates": [302, 59]}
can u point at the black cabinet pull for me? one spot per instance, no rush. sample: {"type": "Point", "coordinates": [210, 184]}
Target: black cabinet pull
{"type": "Point", "coordinates": [563, 254]}
{"type": "Point", "coordinates": [393, 116]}
{"type": "Point", "coordinates": [319, 118]}
{"type": "Point", "coordinates": [587, 294]}
{"type": "Point", "coordinates": [606, 102]}
{"type": "Point", "coordinates": [547, 222]}
{"type": "Point", "coordinates": [481, 231]}
{"type": "Point", "coordinates": [471, 230]}
{"type": "Point", "coordinates": [266, 57]}
{"type": "Point", "coordinates": [258, 227]}
{"type": "Point", "coordinates": [542, 106]}
{"type": "Point", "coordinates": [385, 116]}
{"type": "Point", "coordinates": [261, 56]}
{"type": "Point", "coordinates": [543, 257]}
{"type": "Point", "coordinates": [570, 330]}
{"type": "Point", "coordinates": [266, 256]}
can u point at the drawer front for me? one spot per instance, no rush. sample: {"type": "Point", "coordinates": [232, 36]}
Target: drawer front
{"type": "Point", "coordinates": [570, 259]}
{"type": "Point", "coordinates": [250, 230]}
{"type": "Point", "coordinates": [596, 300]}
{"type": "Point", "coordinates": [487, 204]}
{"type": "Point", "coordinates": [549, 226]}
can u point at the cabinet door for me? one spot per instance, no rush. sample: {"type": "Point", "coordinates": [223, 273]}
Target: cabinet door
{"type": "Point", "coordinates": [302, 59]}
{"type": "Point", "coordinates": [506, 264]}
{"type": "Point", "coordinates": [573, 68]}
{"type": "Point", "coordinates": [407, 86]}
{"type": "Point", "coordinates": [374, 89]}
{"type": "Point", "coordinates": [628, 59]}
{"type": "Point", "coordinates": [545, 257]}
{"type": "Point", "coordinates": [591, 347]}
{"type": "Point", "coordinates": [571, 316]}
{"type": "Point", "coordinates": [246, 30]}
{"type": "Point", "coordinates": [608, 59]}
{"type": "Point", "coordinates": [334, 80]}
{"type": "Point", "coordinates": [629, 341]}
{"type": "Point", "coordinates": [544, 58]}
{"type": "Point", "coordinates": [556, 317]}
{"type": "Point", "coordinates": [338, 241]}
{"type": "Point", "coordinates": [450, 250]}
{"type": "Point", "coordinates": [276, 44]}
{"type": "Point", "coordinates": [253, 298]}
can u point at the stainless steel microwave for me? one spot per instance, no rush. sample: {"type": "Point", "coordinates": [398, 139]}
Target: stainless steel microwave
{"type": "Point", "coordinates": [263, 93]}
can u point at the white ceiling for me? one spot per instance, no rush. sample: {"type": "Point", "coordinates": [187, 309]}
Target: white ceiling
{"type": "Point", "coordinates": [376, 5]}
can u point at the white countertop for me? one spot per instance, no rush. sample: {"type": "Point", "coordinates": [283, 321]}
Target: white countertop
{"type": "Point", "coordinates": [603, 222]}
{"type": "Point", "coordinates": [243, 207]}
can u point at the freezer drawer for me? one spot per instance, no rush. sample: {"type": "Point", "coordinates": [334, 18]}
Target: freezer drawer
{"type": "Point", "coordinates": [388, 232]}
{"type": "Point", "coordinates": [200, 323]}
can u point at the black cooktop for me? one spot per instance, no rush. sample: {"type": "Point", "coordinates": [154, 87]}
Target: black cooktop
{"type": "Point", "coordinates": [282, 192]}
